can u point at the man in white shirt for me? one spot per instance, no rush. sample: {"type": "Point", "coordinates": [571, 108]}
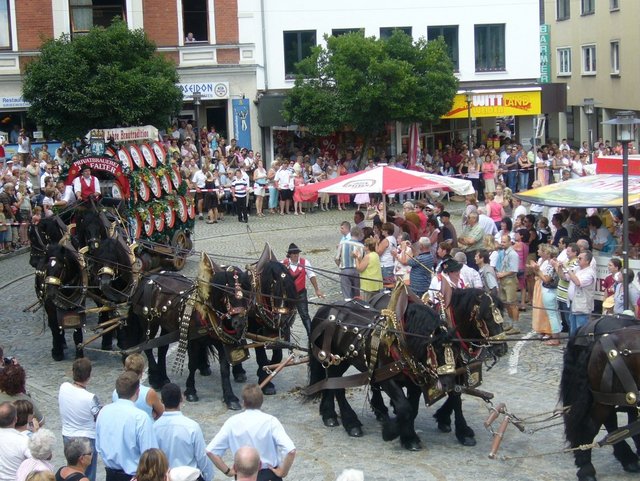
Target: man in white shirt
{"type": "Point", "coordinates": [79, 409]}
{"type": "Point", "coordinates": [198, 181]}
{"type": "Point", "coordinates": [488, 225]}
{"type": "Point", "coordinates": [86, 185]}
{"type": "Point", "coordinates": [582, 282]}
{"type": "Point", "coordinates": [519, 209]}
{"type": "Point", "coordinates": [257, 429]}
{"type": "Point", "coordinates": [470, 277]}
{"type": "Point", "coordinates": [67, 197]}
{"type": "Point", "coordinates": [13, 445]}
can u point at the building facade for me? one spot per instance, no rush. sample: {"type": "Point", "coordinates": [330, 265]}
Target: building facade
{"type": "Point", "coordinates": [241, 55]}
{"type": "Point", "coordinates": [592, 46]}
{"type": "Point", "coordinates": [201, 36]}
{"type": "Point", "coordinates": [495, 49]}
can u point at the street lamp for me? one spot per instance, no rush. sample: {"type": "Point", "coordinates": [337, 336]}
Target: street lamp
{"type": "Point", "coordinates": [588, 107]}
{"type": "Point", "coordinates": [469, 100]}
{"type": "Point", "coordinates": [197, 97]}
{"type": "Point", "coordinates": [625, 121]}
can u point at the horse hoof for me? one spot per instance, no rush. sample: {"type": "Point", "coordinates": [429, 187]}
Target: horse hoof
{"type": "Point", "coordinates": [234, 406]}
{"type": "Point", "coordinates": [331, 422]}
{"type": "Point", "coordinates": [382, 417]}
{"type": "Point", "coordinates": [355, 432]}
{"type": "Point", "coordinates": [191, 397]}
{"type": "Point", "coordinates": [57, 356]}
{"type": "Point", "coordinates": [467, 441]}
{"type": "Point", "coordinates": [269, 390]}
{"type": "Point", "coordinates": [79, 353]}
{"type": "Point", "coordinates": [205, 371]}
{"type": "Point", "coordinates": [412, 446]}
{"type": "Point", "coordinates": [632, 467]}
{"type": "Point", "coordinates": [444, 427]}
{"type": "Point", "coordinates": [240, 378]}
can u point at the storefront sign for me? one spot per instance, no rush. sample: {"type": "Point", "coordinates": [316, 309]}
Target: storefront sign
{"type": "Point", "coordinates": [13, 103]}
{"type": "Point", "coordinates": [496, 104]}
{"type": "Point", "coordinates": [126, 134]}
{"type": "Point", "coordinates": [545, 55]}
{"type": "Point", "coordinates": [242, 122]}
{"type": "Point", "coordinates": [208, 90]}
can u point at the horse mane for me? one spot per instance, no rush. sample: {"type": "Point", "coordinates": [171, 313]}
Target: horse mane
{"type": "Point", "coordinates": [420, 322]}
{"type": "Point", "coordinates": [465, 299]}
{"type": "Point", "coordinates": [56, 251]}
{"type": "Point", "coordinates": [111, 251]}
{"type": "Point", "coordinates": [271, 272]}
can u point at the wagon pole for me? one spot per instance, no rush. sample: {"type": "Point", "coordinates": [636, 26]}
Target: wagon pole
{"type": "Point", "coordinates": [106, 327]}
{"type": "Point", "coordinates": [274, 342]}
{"type": "Point", "coordinates": [279, 368]}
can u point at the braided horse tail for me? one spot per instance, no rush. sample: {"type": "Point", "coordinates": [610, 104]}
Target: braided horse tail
{"type": "Point", "coordinates": [574, 390]}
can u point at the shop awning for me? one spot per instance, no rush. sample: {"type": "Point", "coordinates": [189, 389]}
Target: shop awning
{"type": "Point", "coordinates": [601, 190]}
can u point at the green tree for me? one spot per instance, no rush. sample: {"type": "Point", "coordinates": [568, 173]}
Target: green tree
{"type": "Point", "coordinates": [107, 78]}
{"type": "Point", "coordinates": [364, 82]}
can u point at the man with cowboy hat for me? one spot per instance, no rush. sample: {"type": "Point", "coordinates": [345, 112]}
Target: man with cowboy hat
{"type": "Point", "coordinates": [301, 270]}
{"type": "Point", "coordinates": [86, 185]}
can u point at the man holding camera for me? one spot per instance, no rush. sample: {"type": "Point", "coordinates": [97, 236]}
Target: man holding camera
{"type": "Point", "coordinates": [582, 289]}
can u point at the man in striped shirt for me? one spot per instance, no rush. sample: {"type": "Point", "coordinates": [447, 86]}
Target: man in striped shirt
{"type": "Point", "coordinates": [239, 189]}
{"type": "Point", "coordinates": [349, 276]}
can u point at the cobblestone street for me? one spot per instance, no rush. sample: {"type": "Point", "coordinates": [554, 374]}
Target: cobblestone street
{"type": "Point", "coordinates": [526, 379]}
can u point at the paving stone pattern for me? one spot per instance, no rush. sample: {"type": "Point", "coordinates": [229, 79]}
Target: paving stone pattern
{"type": "Point", "coordinates": [322, 452]}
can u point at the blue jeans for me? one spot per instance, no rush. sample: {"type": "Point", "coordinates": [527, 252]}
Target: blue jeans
{"type": "Point", "coordinates": [523, 180]}
{"type": "Point", "coordinates": [576, 321]}
{"type": "Point", "coordinates": [91, 469]}
{"type": "Point", "coordinates": [512, 180]}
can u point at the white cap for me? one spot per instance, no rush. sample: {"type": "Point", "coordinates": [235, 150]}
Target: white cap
{"type": "Point", "coordinates": [184, 473]}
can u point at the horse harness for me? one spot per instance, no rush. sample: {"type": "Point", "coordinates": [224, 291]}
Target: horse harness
{"type": "Point", "coordinates": [472, 351]}
{"type": "Point", "coordinates": [74, 300]}
{"type": "Point", "coordinates": [616, 367]}
{"type": "Point", "coordinates": [386, 332]}
{"type": "Point", "coordinates": [268, 312]}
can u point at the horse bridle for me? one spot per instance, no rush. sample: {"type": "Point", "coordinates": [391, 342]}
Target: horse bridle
{"type": "Point", "coordinates": [238, 294]}
{"type": "Point", "coordinates": [272, 314]}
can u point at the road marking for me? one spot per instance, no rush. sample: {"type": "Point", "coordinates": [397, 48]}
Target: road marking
{"type": "Point", "coordinates": [514, 357]}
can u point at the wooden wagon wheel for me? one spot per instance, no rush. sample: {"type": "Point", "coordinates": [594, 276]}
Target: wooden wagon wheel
{"type": "Point", "coordinates": [182, 244]}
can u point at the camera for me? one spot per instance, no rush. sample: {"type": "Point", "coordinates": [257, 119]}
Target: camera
{"type": "Point", "coordinates": [9, 360]}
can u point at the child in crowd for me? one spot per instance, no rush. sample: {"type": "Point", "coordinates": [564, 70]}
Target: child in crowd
{"type": "Point", "coordinates": [3, 230]}
{"type": "Point", "coordinates": [37, 215]}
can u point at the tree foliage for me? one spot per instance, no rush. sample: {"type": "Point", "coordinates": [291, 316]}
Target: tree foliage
{"type": "Point", "coordinates": [364, 82]}
{"type": "Point", "coordinates": [107, 78]}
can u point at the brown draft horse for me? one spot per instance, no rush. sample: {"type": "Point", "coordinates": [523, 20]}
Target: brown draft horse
{"type": "Point", "coordinates": [599, 378]}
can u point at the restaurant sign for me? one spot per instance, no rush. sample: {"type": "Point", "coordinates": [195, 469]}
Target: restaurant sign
{"type": "Point", "coordinates": [496, 104]}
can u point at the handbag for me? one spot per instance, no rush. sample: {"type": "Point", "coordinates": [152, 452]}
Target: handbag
{"type": "Point", "coordinates": [553, 282]}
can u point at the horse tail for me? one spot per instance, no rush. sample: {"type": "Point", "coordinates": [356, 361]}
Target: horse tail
{"type": "Point", "coordinates": [574, 390]}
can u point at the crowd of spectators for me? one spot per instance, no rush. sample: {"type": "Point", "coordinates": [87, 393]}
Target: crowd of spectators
{"type": "Point", "coordinates": [138, 435]}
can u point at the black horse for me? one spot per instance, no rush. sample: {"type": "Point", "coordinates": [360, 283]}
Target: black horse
{"type": "Point", "coordinates": [406, 347]}
{"type": "Point", "coordinates": [475, 315]}
{"type": "Point", "coordinates": [212, 311]}
{"type": "Point", "coordinates": [63, 285]}
{"type": "Point", "coordinates": [599, 378]}
{"type": "Point", "coordinates": [48, 231]}
{"type": "Point", "coordinates": [113, 276]}
{"type": "Point", "coordinates": [272, 314]}
{"type": "Point", "coordinates": [92, 227]}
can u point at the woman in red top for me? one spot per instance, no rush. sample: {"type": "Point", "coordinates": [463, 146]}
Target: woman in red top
{"type": "Point", "coordinates": [489, 168]}
{"type": "Point", "coordinates": [494, 210]}
{"type": "Point", "coordinates": [615, 266]}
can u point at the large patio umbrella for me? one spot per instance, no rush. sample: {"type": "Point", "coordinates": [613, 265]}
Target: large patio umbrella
{"type": "Point", "coordinates": [383, 180]}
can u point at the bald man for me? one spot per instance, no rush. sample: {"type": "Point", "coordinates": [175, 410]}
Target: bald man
{"type": "Point", "coordinates": [246, 463]}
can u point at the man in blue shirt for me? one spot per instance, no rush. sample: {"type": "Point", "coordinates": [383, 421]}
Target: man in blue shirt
{"type": "Point", "coordinates": [179, 437]}
{"type": "Point", "coordinates": [124, 432]}
{"type": "Point", "coordinates": [421, 265]}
